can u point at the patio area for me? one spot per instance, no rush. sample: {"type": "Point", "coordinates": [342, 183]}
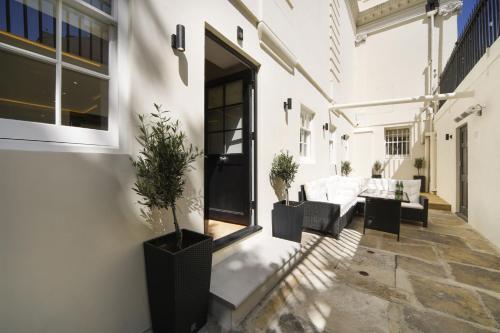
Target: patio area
{"type": "Point", "coordinates": [445, 278]}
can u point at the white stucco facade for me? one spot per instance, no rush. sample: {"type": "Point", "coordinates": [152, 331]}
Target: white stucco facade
{"type": "Point", "coordinates": [483, 141]}
{"type": "Point", "coordinates": [70, 230]}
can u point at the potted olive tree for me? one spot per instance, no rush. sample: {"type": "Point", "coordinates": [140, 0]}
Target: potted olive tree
{"type": "Point", "coordinates": [420, 164]}
{"type": "Point", "coordinates": [345, 168]}
{"type": "Point", "coordinates": [178, 264]}
{"type": "Point", "coordinates": [377, 169]}
{"type": "Point", "coordinates": [287, 215]}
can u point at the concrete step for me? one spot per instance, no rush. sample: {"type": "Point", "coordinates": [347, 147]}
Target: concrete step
{"type": "Point", "coordinates": [436, 202]}
{"type": "Point", "coordinates": [242, 279]}
{"type": "Point", "coordinates": [440, 206]}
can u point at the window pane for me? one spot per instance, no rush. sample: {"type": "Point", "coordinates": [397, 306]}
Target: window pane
{"type": "Point", "coordinates": [234, 92]}
{"type": "Point", "coordinates": [215, 143]}
{"type": "Point", "coordinates": [29, 24]}
{"type": "Point", "coordinates": [234, 142]}
{"type": "Point", "coordinates": [104, 5]}
{"type": "Point", "coordinates": [85, 41]}
{"type": "Point", "coordinates": [215, 97]}
{"type": "Point", "coordinates": [214, 120]}
{"type": "Point", "coordinates": [26, 89]}
{"type": "Point", "coordinates": [234, 117]}
{"type": "Point", "coordinates": [84, 101]}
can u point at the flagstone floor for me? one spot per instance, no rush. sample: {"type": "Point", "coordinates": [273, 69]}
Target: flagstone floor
{"type": "Point", "coordinates": [444, 278]}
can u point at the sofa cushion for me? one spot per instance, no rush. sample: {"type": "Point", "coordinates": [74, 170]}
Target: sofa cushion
{"type": "Point", "coordinates": [345, 202]}
{"type": "Point", "coordinates": [332, 186]}
{"type": "Point", "coordinates": [412, 188]}
{"type": "Point", "coordinates": [412, 205]}
{"type": "Point", "coordinates": [316, 190]}
{"type": "Point", "coordinates": [380, 184]}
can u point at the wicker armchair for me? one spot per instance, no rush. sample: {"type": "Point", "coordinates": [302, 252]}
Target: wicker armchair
{"type": "Point", "coordinates": [320, 216]}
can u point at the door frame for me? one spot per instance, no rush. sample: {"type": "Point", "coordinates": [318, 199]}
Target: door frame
{"type": "Point", "coordinates": [253, 144]}
{"type": "Point", "coordinates": [459, 174]}
{"type": "Point", "coordinates": [245, 76]}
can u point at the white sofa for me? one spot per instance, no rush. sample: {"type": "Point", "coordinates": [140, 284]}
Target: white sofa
{"type": "Point", "coordinates": [333, 201]}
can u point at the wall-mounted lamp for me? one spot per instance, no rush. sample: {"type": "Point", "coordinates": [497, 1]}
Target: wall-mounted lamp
{"type": "Point", "coordinates": [345, 137]}
{"type": "Point", "coordinates": [477, 109]}
{"type": "Point", "coordinates": [448, 136]}
{"type": "Point", "coordinates": [325, 127]}
{"type": "Point", "coordinates": [239, 33]}
{"type": "Point", "coordinates": [179, 40]}
{"type": "Point", "coordinates": [288, 104]}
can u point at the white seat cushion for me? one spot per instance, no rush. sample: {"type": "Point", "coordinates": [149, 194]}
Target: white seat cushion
{"type": "Point", "coordinates": [316, 190]}
{"type": "Point", "coordinates": [412, 187]}
{"type": "Point", "coordinates": [380, 184]}
{"type": "Point", "coordinates": [412, 205]}
{"type": "Point", "coordinates": [345, 202]}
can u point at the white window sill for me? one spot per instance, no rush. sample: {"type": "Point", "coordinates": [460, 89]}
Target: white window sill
{"type": "Point", "coordinates": [31, 131]}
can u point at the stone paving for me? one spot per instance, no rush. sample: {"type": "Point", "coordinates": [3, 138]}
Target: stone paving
{"type": "Point", "coordinates": [444, 278]}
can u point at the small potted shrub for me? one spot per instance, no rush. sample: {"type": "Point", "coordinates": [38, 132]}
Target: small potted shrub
{"type": "Point", "coordinates": [287, 215]}
{"type": "Point", "coordinates": [420, 164]}
{"type": "Point", "coordinates": [178, 264]}
{"type": "Point", "coordinates": [377, 169]}
{"type": "Point", "coordinates": [345, 168]}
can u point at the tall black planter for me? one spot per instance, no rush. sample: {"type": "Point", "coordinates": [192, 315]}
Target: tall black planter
{"type": "Point", "coordinates": [422, 182]}
{"type": "Point", "coordinates": [287, 220]}
{"type": "Point", "coordinates": [178, 282]}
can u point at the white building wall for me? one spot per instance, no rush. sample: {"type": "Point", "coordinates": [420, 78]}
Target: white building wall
{"type": "Point", "coordinates": [392, 63]}
{"type": "Point", "coordinates": [70, 231]}
{"type": "Point", "coordinates": [483, 146]}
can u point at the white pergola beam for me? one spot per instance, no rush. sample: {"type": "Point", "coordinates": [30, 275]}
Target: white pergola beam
{"type": "Point", "coordinates": [405, 100]}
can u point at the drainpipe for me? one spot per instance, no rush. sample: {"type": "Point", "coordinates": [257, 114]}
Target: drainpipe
{"type": "Point", "coordinates": [430, 110]}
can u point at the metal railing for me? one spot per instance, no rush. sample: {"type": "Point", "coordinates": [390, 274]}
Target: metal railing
{"type": "Point", "coordinates": [481, 31]}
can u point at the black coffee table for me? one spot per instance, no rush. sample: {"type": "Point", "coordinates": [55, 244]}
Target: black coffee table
{"type": "Point", "coordinates": [383, 210]}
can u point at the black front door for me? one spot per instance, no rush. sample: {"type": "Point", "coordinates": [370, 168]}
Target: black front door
{"type": "Point", "coordinates": [463, 170]}
{"type": "Point", "coordinates": [228, 149]}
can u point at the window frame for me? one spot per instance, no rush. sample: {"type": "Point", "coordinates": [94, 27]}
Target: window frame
{"type": "Point", "coordinates": [309, 158]}
{"type": "Point", "coordinates": [395, 142]}
{"type": "Point", "coordinates": [32, 131]}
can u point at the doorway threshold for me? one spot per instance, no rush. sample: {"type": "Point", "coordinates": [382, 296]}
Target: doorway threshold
{"type": "Point", "coordinates": [234, 237]}
{"type": "Point", "coordinates": [463, 217]}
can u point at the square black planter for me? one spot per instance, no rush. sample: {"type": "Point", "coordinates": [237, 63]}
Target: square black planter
{"type": "Point", "coordinates": [422, 182]}
{"type": "Point", "coordinates": [287, 220]}
{"type": "Point", "coordinates": [376, 176]}
{"type": "Point", "coordinates": [178, 282]}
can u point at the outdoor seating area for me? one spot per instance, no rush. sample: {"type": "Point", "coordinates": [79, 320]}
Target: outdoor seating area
{"type": "Point", "coordinates": [331, 203]}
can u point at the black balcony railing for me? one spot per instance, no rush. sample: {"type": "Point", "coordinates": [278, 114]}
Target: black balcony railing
{"type": "Point", "coordinates": [481, 31]}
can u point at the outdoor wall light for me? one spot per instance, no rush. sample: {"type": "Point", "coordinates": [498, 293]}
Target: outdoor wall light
{"type": "Point", "coordinates": [239, 33]}
{"type": "Point", "coordinates": [345, 137]}
{"type": "Point", "coordinates": [178, 40]}
{"type": "Point", "coordinates": [448, 136]}
{"type": "Point", "coordinates": [325, 127]}
{"type": "Point", "coordinates": [288, 104]}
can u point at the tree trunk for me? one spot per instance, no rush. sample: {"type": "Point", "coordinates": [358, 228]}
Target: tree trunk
{"type": "Point", "coordinates": [287, 202]}
{"type": "Point", "coordinates": [178, 232]}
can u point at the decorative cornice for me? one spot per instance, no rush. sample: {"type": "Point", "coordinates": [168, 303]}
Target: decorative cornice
{"type": "Point", "coordinates": [385, 9]}
{"type": "Point", "coordinates": [450, 8]}
{"type": "Point", "coordinates": [360, 38]}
